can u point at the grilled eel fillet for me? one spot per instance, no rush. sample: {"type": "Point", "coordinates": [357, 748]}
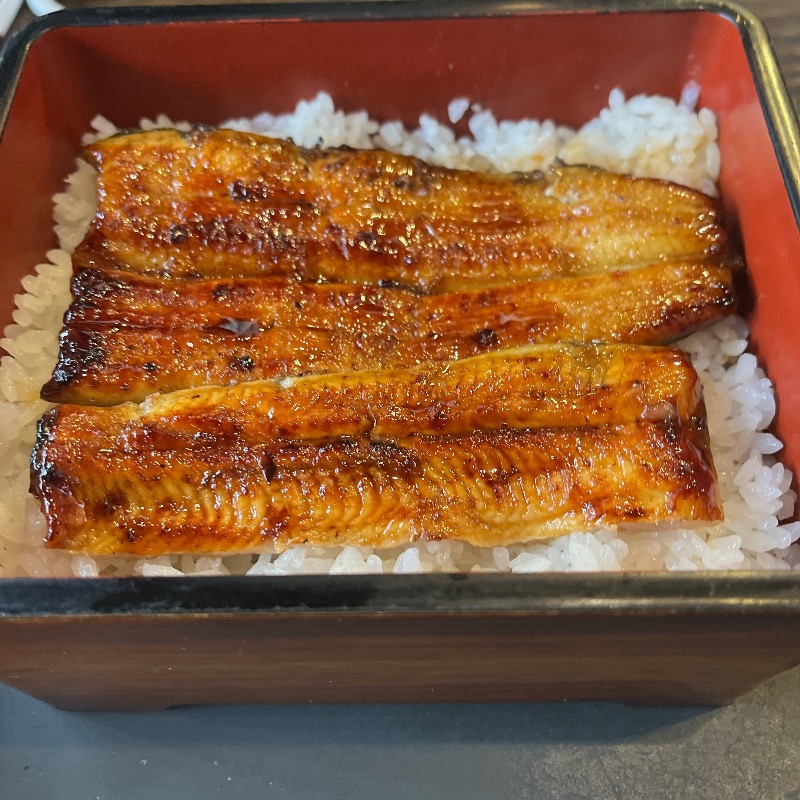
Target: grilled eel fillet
{"type": "Point", "coordinates": [127, 336]}
{"type": "Point", "coordinates": [503, 447]}
{"type": "Point", "coordinates": [225, 204]}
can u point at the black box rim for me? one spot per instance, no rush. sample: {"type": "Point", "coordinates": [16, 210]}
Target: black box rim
{"type": "Point", "coordinates": [630, 594]}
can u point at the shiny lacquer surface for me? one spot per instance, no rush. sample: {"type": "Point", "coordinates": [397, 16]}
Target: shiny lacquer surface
{"type": "Point", "coordinates": [143, 643]}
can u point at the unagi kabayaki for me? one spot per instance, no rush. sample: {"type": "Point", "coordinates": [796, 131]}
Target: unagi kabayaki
{"type": "Point", "coordinates": [218, 203]}
{"type": "Point", "coordinates": [505, 447]}
{"type": "Point", "coordinates": [127, 336]}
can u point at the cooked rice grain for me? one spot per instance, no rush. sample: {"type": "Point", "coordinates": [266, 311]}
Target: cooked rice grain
{"type": "Point", "coordinates": [647, 136]}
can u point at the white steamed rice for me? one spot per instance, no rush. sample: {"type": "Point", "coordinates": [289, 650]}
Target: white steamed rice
{"type": "Point", "coordinates": [649, 136]}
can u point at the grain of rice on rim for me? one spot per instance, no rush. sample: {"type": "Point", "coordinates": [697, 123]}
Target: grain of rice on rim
{"type": "Point", "coordinates": [647, 136]}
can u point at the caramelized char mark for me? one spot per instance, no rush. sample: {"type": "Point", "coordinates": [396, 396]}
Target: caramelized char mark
{"type": "Point", "coordinates": [500, 448]}
{"type": "Point", "coordinates": [128, 336]}
{"type": "Point", "coordinates": [487, 488]}
{"type": "Point", "coordinates": [227, 204]}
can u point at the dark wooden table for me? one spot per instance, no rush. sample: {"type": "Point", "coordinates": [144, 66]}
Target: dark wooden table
{"type": "Point", "coordinates": [782, 18]}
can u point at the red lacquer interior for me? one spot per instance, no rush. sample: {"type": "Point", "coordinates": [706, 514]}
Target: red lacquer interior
{"type": "Point", "coordinates": [555, 65]}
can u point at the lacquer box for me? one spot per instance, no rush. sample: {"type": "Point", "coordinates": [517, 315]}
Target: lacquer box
{"type": "Point", "coordinates": [656, 638]}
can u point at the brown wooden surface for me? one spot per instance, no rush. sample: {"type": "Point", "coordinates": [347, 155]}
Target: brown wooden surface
{"type": "Point", "coordinates": [657, 659]}
{"type": "Point", "coordinates": [782, 19]}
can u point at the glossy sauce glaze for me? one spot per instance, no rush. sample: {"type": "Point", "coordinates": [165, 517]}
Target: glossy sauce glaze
{"type": "Point", "coordinates": [526, 445]}
{"type": "Point", "coordinates": [221, 268]}
{"type": "Point", "coordinates": [127, 336]}
{"type": "Point", "coordinates": [564, 386]}
{"type": "Point", "coordinates": [227, 204]}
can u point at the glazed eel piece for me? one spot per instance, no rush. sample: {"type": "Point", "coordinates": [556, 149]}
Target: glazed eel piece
{"type": "Point", "coordinates": [504, 447]}
{"type": "Point", "coordinates": [218, 203]}
{"type": "Point", "coordinates": [127, 336]}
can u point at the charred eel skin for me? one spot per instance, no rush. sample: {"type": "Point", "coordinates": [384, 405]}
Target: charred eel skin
{"type": "Point", "coordinates": [127, 336]}
{"type": "Point", "coordinates": [504, 447]}
{"type": "Point", "coordinates": [218, 203]}
{"type": "Point", "coordinates": [230, 257]}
